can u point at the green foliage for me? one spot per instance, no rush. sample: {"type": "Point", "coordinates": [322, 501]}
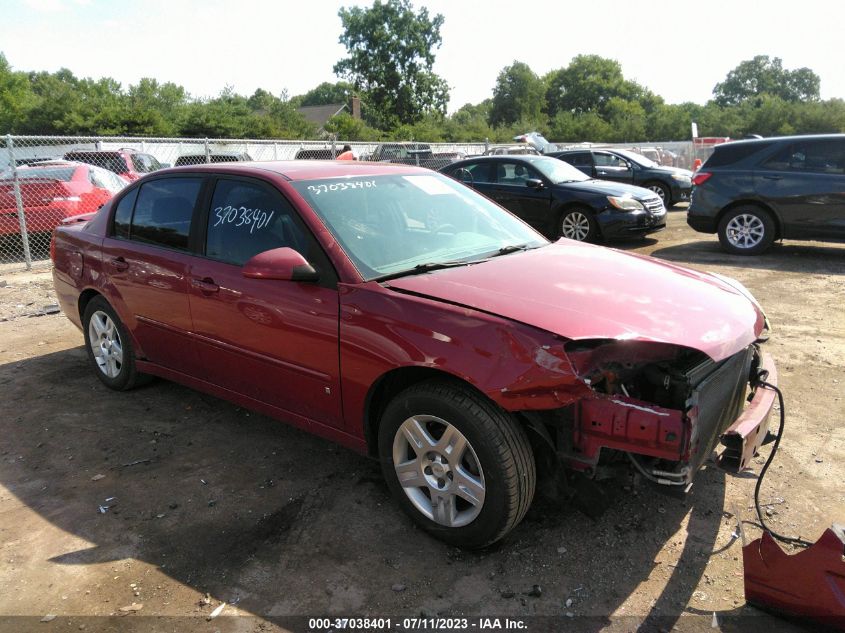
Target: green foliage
{"type": "Point", "coordinates": [325, 94]}
{"type": "Point", "coordinates": [390, 58]}
{"type": "Point", "coordinates": [589, 100]}
{"type": "Point", "coordinates": [518, 95]}
{"type": "Point", "coordinates": [344, 127]}
{"type": "Point", "coordinates": [60, 103]}
{"type": "Point", "coordinates": [764, 76]}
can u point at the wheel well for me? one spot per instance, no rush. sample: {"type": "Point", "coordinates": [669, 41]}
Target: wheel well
{"type": "Point", "coordinates": [751, 203]}
{"type": "Point", "coordinates": [388, 386]}
{"type": "Point", "coordinates": [84, 299]}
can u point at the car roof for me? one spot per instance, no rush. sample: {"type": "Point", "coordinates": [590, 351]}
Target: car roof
{"type": "Point", "coordinates": [781, 139]}
{"type": "Point", "coordinates": [296, 170]}
{"type": "Point", "coordinates": [503, 158]}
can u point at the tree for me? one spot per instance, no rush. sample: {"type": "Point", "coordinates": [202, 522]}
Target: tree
{"type": "Point", "coordinates": [327, 93]}
{"type": "Point", "coordinates": [586, 85]}
{"type": "Point", "coordinates": [16, 98]}
{"type": "Point", "coordinates": [762, 75]}
{"type": "Point", "coordinates": [390, 59]}
{"type": "Point", "coordinates": [518, 96]}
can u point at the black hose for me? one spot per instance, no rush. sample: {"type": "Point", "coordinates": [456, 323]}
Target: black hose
{"type": "Point", "coordinates": [780, 537]}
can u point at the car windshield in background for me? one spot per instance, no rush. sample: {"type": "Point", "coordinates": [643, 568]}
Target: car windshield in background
{"type": "Point", "coordinates": [107, 160]}
{"type": "Point", "coordinates": [639, 159]}
{"type": "Point", "coordinates": [393, 224]}
{"type": "Point", "coordinates": [64, 174]}
{"type": "Point", "coordinates": [558, 171]}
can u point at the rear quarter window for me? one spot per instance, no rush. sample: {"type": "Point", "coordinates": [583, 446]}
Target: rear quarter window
{"type": "Point", "coordinates": [123, 215]}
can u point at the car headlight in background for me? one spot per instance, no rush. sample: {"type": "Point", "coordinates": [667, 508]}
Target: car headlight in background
{"type": "Point", "coordinates": [625, 203]}
{"type": "Point", "coordinates": [681, 178]}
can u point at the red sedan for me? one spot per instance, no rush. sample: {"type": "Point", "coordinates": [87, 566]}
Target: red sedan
{"type": "Point", "coordinates": [398, 312]}
{"type": "Point", "coordinates": [52, 191]}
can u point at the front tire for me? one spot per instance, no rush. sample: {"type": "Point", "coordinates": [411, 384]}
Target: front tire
{"type": "Point", "coordinates": [459, 466]}
{"type": "Point", "coordinates": [746, 230]}
{"type": "Point", "coordinates": [109, 346]}
{"type": "Point", "coordinates": [663, 191]}
{"type": "Point", "coordinates": [578, 224]}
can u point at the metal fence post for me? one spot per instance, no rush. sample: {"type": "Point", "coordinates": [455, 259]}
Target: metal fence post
{"type": "Point", "coordinates": [207, 152]}
{"type": "Point", "coordinates": [334, 148]}
{"type": "Point", "coordinates": [19, 202]}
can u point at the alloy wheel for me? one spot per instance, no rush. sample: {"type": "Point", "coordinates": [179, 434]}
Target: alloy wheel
{"type": "Point", "coordinates": [659, 191]}
{"type": "Point", "coordinates": [745, 231]}
{"type": "Point", "coordinates": [105, 344]}
{"type": "Point", "coordinates": [575, 226]}
{"type": "Point", "coordinates": [438, 470]}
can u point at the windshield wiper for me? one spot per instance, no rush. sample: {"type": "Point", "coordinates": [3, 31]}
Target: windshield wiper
{"type": "Point", "coordinates": [423, 268]}
{"type": "Point", "coordinates": [511, 248]}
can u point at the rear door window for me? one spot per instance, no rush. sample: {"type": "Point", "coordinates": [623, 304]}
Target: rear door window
{"type": "Point", "coordinates": [581, 159]}
{"type": "Point", "coordinates": [475, 173]}
{"type": "Point", "coordinates": [817, 156]}
{"type": "Point", "coordinates": [164, 210]}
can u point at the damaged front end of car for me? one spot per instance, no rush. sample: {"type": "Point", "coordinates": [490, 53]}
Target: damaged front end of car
{"type": "Point", "coordinates": [661, 408]}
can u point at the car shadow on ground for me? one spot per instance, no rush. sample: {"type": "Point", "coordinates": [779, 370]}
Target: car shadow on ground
{"type": "Point", "coordinates": [246, 508]}
{"type": "Point", "coordinates": [817, 258]}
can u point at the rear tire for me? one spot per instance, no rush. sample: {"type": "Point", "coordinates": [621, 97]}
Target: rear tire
{"type": "Point", "coordinates": [109, 347]}
{"type": "Point", "coordinates": [459, 466]}
{"type": "Point", "coordinates": [746, 230]}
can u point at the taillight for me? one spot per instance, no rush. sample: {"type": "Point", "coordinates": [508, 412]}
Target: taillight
{"type": "Point", "coordinates": [700, 178]}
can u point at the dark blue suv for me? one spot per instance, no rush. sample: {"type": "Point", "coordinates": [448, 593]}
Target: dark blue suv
{"type": "Point", "coordinates": [755, 192]}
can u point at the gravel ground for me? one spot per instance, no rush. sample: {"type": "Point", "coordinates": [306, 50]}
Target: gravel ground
{"type": "Point", "coordinates": [204, 502]}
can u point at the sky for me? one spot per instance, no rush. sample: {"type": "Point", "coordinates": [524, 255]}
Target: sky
{"type": "Point", "coordinates": [679, 50]}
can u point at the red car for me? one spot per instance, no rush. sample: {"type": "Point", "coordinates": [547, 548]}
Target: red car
{"type": "Point", "coordinates": [400, 313]}
{"type": "Point", "coordinates": [51, 191]}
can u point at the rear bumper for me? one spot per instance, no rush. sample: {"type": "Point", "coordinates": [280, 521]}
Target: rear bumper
{"type": "Point", "coordinates": [38, 219]}
{"type": "Point", "coordinates": [702, 223]}
{"type": "Point", "coordinates": [743, 438]}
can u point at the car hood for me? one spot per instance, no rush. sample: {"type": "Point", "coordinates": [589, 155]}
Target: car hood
{"type": "Point", "coordinates": [606, 188]}
{"type": "Point", "coordinates": [673, 170]}
{"type": "Point", "coordinates": [580, 291]}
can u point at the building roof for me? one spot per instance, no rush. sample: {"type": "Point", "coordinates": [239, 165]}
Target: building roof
{"type": "Point", "coordinates": [321, 114]}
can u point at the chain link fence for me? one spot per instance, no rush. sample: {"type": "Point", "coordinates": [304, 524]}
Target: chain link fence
{"type": "Point", "coordinates": [46, 179]}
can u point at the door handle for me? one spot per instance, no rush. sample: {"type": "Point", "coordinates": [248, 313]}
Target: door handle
{"type": "Point", "coordinates": [205, 285]}
{"type": "Point", "coordinates": [118, 263]}
{"type": "Point", "coordinates": [773, 177]}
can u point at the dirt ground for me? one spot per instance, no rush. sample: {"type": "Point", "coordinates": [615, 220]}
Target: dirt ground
{"type": "Point", "coordinates": [152, 507]}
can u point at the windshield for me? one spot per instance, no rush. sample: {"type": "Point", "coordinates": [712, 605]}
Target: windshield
{"type": "Point", "coordinates": [557, 171]}
{"type": "Point", "coordinates": [392, 224]}
{"type": "Point", "coordinates": [641, 160]}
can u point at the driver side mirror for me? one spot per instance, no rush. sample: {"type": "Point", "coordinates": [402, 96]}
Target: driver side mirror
{"type": "Point", "coordinates": [283, 264]}
{"type": "Point", "coordinates": [534, 183]}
